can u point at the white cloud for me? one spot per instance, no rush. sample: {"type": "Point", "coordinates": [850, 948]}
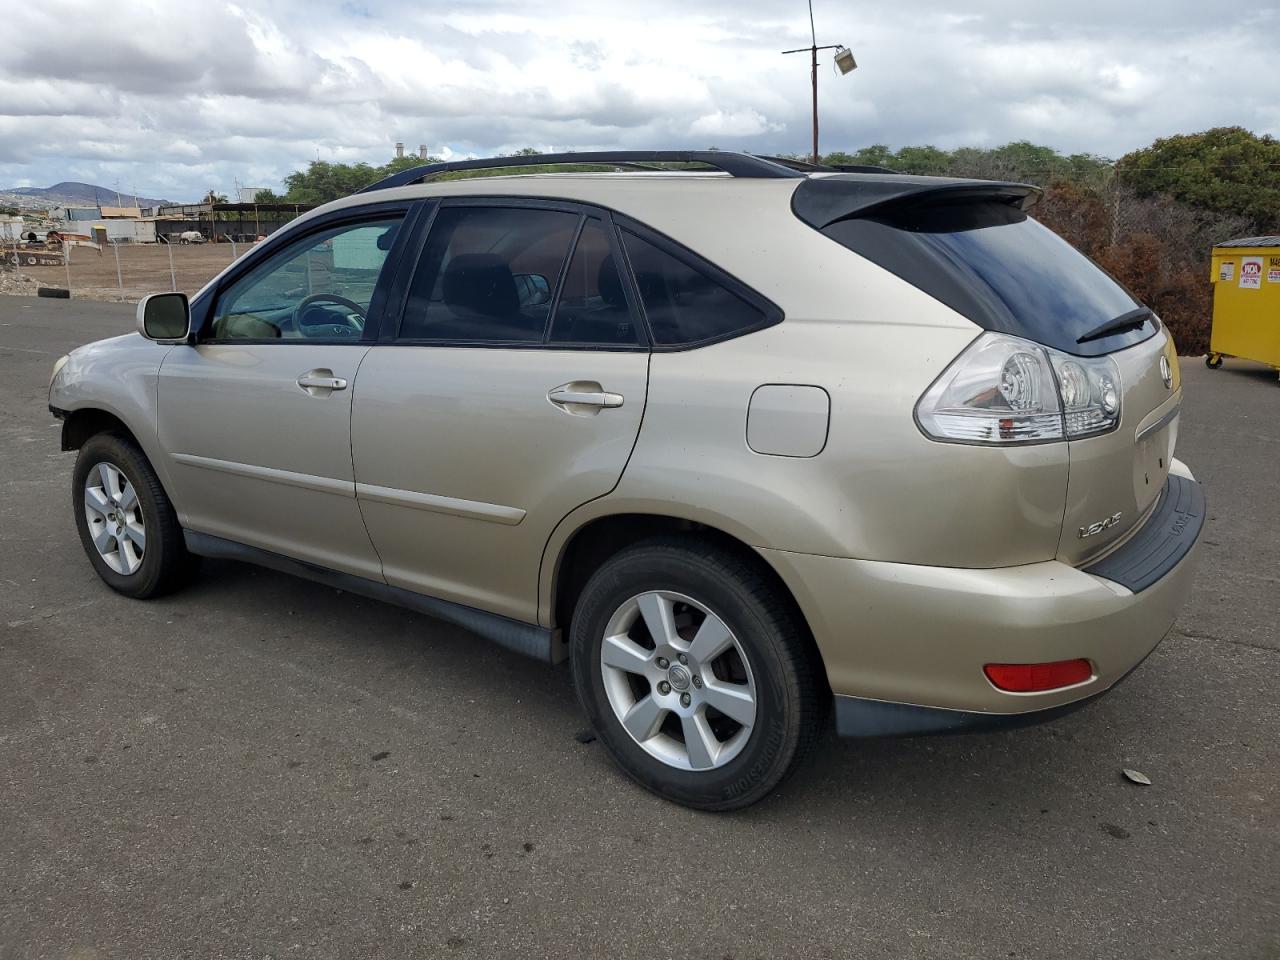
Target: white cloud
{"type": "Point", "coordinates": [180, 96]}
{"type": "Point", "coordinates": [737, 123]}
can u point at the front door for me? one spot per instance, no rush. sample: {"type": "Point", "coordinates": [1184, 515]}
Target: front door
{"type": "Point", "coordinates": [255, 418]}
{"type": "Point", "coordinates": [511, 394]}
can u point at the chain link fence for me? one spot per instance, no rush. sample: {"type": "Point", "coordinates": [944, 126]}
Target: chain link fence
{"type": "Point", "coordinates": [113, 271]}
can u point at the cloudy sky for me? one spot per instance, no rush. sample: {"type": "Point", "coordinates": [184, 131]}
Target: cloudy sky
{"type": "Point", "coordinates": [171, 98]}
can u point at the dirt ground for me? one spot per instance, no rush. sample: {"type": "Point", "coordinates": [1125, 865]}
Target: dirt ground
{"type": "Point", "coordinates": [144, 268]}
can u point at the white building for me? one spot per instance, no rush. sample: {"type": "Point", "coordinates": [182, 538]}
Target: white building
{"type": "Point", "coordinates": [11, 228]}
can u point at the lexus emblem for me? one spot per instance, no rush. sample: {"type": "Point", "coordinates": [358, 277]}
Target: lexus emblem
{"type": "Point", "coordinates": [1166, 373]}
{"type": "Point", "coordinates": [679, 677]}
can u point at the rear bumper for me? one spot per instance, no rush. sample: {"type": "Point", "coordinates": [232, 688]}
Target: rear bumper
{"type": "Point", "coordinates": [860, 717]}
{"type": "Point", "coordinates": [904, 645]}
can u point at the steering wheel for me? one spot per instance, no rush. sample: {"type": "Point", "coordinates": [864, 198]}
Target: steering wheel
{"type": "Point", "coordinates": [352, 326]}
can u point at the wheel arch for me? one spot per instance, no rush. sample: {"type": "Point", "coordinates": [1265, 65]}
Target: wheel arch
{"type": "Point", "coordinates": [80, 425]}
{"type": "Point", "coordinates": [574, 554]}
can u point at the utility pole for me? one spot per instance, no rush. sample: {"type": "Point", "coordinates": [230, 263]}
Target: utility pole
{"type": "Point", "coordinates": [844, 60]}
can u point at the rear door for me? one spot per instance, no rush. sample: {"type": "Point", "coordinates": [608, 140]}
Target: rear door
{"type": "Point", "coordinates": [511, 393]}
{"type": "Point", "coordinates": [255, 417]}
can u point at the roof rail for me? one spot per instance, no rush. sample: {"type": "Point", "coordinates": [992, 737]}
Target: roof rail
{"type": "Point", "coordinates": [808, 166]}
{"type": "Point", "coordinates": [734, 164]}
{"type": "Point", "coordinates": [794, 163]}
{"type": "Point", "coordinates": [861, 168]}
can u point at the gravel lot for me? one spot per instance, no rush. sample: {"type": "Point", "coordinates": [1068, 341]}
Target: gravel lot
{"type": "Point", "coordinates": [144, 268]}
{"type": "Point", "coordinates": [261, 767]}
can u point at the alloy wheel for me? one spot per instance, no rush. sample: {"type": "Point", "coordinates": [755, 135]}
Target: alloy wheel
{"type": "Point", "coordinates": [678, 680]}
{"type": "Point", "coordinates": [114, 516]}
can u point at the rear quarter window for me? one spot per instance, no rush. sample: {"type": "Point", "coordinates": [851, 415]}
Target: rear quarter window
{"type": "Point", "coordinates": [688, 305]}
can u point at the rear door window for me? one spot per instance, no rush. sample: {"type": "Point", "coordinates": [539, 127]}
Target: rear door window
{"type": "Point", "coordinates": [592, 308]}
{"type": "Point", "coordinates": [488, 275]}
{"type": "Point", "coordinates": [685, 305]}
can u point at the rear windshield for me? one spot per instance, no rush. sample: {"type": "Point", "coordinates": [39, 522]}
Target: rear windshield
{"type": "Point", "coordinates": [1001, 269]}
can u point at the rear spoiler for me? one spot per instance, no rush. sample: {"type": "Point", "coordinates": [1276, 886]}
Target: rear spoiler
{"type": "Point", "coordinates": [822, 201]}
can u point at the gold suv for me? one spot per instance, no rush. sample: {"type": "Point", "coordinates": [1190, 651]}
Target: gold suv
{"type": "Point", "coordinates": [747, 441]}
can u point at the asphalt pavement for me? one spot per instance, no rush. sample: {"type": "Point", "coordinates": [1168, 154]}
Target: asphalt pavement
{"type": "Point", "coordinates": [262, 767]}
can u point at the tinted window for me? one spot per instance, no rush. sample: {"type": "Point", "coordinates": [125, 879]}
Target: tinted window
{"type": "Point", "coordinates": [684, 305]}
{"type": "Point", "coordinates": [318, 288]}
{"type": "Point", "coordinates": [592, 307]}
{"type": "Point", "coordinates": [488, 274]}
{"type": "Point", "coordinates": [1001, 269]}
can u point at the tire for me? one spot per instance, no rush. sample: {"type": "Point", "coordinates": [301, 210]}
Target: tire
{"type": "Point", "coordinates": [1213, 361]}
{"type": "Point", "coordinates": [769, 648]}
{"type": "Point", "coordinates": [161, 563]}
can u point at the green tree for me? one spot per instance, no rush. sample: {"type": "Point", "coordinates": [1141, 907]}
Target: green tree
{"type": "Point", "coordinates": [926, 161]}
{"type": "Point", "coordinates": [323, 181]}
{"type": "Point", "coordinates": [396, 164]}
{"type": "Point", "coordinates": [876, 155]}
{"type": "Point", "coordinates": [1021, 160]}
{"type": "Point", "coordinates": [1226, 170]}
{"type": "Point", "coordinates": [267, 196]}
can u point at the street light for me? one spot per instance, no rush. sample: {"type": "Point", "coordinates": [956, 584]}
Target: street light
{"type": "Point", "coordinates": [844, 62]}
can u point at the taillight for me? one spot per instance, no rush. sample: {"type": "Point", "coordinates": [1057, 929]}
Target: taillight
{"type": "Point", "coordinates": [1090, 391]}
{"type": "Point", "coordinates": [1038, 677]}
{"type": "Point", "coordinates": [1006, 390]}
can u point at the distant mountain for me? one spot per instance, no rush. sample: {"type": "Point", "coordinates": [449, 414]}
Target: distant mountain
{"type": "Point", "coordinates": [70, 193]}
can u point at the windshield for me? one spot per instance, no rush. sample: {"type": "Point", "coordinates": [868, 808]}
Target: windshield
{"type": "Point", "coordinates": [1001, 269]}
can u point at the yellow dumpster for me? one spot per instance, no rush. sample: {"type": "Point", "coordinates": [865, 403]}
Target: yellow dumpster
{"type": "Point", "coordinates": [1246, 301]}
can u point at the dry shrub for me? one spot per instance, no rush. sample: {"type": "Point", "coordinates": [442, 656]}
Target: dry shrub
{"type": "Point", "coordinates": [1157, 247]}
{"type": "Point", "coordinates": [1179, 294]}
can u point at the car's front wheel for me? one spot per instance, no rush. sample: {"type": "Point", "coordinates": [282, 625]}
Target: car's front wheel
{"type": "Point", "coordinates": [695, 672]}
{"type": "Point", "coordinates": [126, 523]}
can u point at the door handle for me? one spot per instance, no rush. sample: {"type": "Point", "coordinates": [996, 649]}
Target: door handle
{"type": "Point", "coordinates": [320, 383]}
{"type": "Point", "coordinates": [583, 394]}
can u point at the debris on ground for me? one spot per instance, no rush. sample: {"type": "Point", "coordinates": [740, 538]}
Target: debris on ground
{"type": "Point", "coordinates": [19, 285]}
{"type": "Point", "coordinates": [1137, 776]}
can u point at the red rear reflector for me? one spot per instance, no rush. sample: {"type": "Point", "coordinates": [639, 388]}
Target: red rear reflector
{"type": "Point", "coordinates": [1035, 677]}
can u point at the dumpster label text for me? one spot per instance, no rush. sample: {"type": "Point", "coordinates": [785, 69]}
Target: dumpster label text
{"type": "Point", "coordinates": [1273, 271]}
{"type": "Point", "coordinates": [1251, 273]}
{"type": "Point", "coordinates": [1227, 271]}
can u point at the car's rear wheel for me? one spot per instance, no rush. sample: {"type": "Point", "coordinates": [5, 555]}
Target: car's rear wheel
{"type": "Point", "coordinates": [127, 525]}
{"type": "Point", "coordinates": [696, 673]}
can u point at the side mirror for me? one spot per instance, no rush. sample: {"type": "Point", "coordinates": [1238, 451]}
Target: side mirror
{"type": "Point", "coordinates": [164, 317]}
{"type": "Point", "coordinates": [533, 289]}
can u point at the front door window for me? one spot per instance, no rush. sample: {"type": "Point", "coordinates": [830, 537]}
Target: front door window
{"type": "Point", "coordinates": [318, 288]}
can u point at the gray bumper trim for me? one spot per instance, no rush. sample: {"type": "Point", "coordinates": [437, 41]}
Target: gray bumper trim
{"type": "Point", "coordinates": [1167, 536]}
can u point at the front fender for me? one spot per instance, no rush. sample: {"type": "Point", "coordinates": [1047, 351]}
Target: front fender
{"type": "Point", "coordinates": [120, 377]}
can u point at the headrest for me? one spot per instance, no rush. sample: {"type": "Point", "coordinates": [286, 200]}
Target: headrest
{"type": "Point", "coordinates": [610, 284]}
{"type": "Point", "coordinates": [480, 284]}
